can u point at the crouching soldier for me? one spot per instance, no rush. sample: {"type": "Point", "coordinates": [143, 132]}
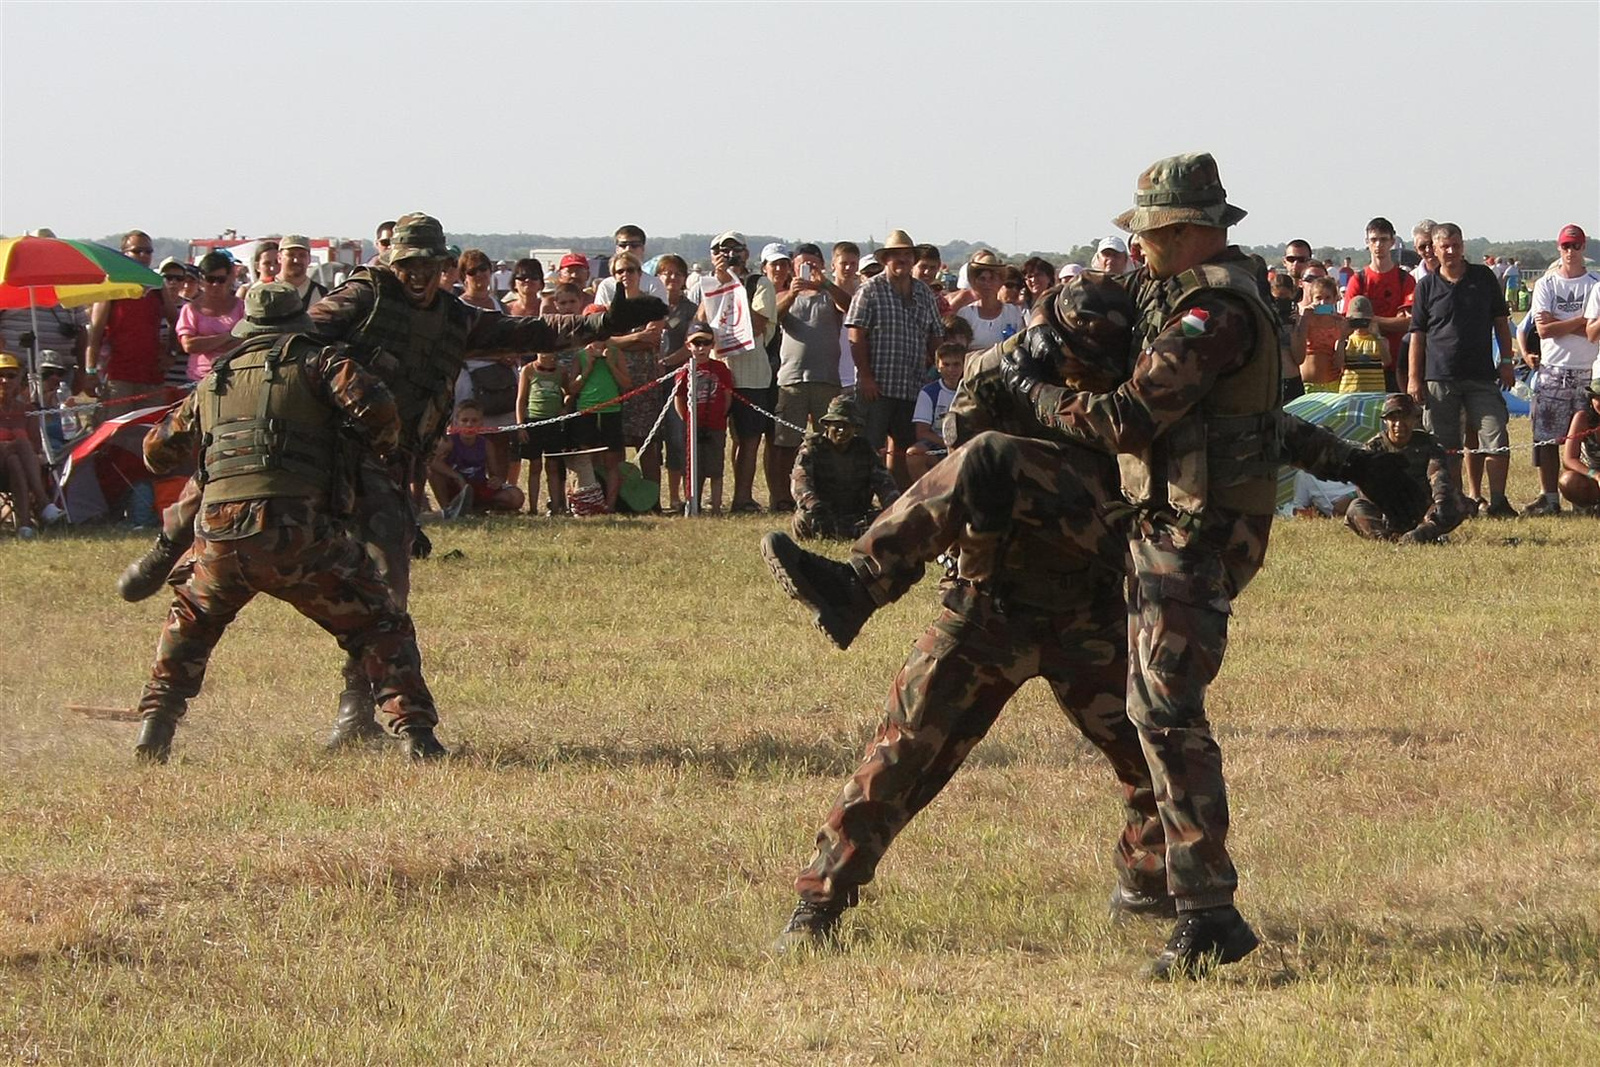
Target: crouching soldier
{"type": "Point", "coordinates": [1433, 513]}
{"type": "Point", "coordinates": [836, 474]}
{"type": "Point", "coordinates": [268, 420]}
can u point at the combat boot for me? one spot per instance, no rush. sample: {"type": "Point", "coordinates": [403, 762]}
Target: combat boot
{"type": "Point", "coordinates": [355, 723]}
{"type": "Point", "coordinates": [146, 575]}
{"type": "Point", "coordinates": [1203, 940]}
{"type": "Point", "coordinates": [831, 589]}
{"type": "Point", "coordinates": [421, 745]}
{"type": "Point", "coordinates": [155, 741]}
{"type": "Point", "coordinates": [1131, 903]}
{"type": "Point", "coordinates": [813, 926]}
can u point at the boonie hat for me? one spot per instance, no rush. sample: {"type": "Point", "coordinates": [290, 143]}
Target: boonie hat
{"type": "Point", "coordinates": [1360, 309]}
{"type": "Point", "coordinates": [416, 236]}
{"type": "Point", "coordinates": [293, 240]}
{"type": "Point", "coordinates": [273, 307]}
{"type": "Point", "coordinates": [843, 409]}
{"type": "Point", "coordinates": [1398, 404]}
{"type": "Point", "coordinates": [1184, 188]}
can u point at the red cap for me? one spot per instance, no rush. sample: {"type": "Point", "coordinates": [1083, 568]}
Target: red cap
{"type": "Point", "coordinates": [1572, 234]}
{"type": "Point", "coordinates": [593, 309]}
{"type": "Point", "coordinates": [572, 259]}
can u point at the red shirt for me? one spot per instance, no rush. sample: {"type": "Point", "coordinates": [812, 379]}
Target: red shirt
{"type": "Point", "coordinates": [1389, 292]}
{"type": "Point", "coordinates": [133, 339]}
{"type": "Point", "coordinates": [713, 386]}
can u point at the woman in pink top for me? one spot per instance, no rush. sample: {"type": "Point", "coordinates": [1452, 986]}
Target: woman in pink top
{"type": "Point", "coordinates": [205, 325]}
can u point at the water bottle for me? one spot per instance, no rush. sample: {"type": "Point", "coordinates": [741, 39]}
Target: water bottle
{"type": "Point", "coordinates": [68, 421]}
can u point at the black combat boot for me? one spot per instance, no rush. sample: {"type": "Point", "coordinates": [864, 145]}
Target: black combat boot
{"type": "Point", "coordinates": [1130, 903]}
{"type": "Point", "coordinates": [1203, 940]}
{"type": "Point", "coordinates": [833, 590]}
{"type": "Point", "coordinates": [813, 926]}
{"type": "Point", "coordinates": [155, 740]}
{"type": "Point", "coordinates": [355, 723]}
{"type": "Point", "coordinates": [420, 744]}
{"type": "Point", "coordinates": [146, 575]}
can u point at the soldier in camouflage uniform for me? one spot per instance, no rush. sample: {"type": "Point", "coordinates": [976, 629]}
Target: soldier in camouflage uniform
{"type": "Point", "coordinates": [1437, 513]}
{"type": "Point", "coordinates": [266, 420]}
{"type": "Point", "coordinates": [415, 337]}
{"type": "Point", "coordinates": [1198, 436]}
{"type": "Point", "coordinates": [836, 474]}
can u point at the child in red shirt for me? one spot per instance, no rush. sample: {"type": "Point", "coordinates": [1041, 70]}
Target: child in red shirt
{"type": "Point", "coordinates": [713, 386]}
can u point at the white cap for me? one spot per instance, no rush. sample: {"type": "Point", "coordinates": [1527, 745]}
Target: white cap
{"type": "Point", "coordinates": [775, 251]}
{"type": "Point", "coordinates": [1112, 244]}
{"type": "Point", "coordinates": [1070, 270]}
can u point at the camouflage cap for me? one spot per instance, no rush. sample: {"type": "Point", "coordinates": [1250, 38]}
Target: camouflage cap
{"type": "Point", "coordinates": [844, 409]}
{"type": "Point", "coordinates": [274, 307]}
{"type": "Point", "coordinates": [1399, 404]}
{"type": "Point", "coordinates": [1095, 315]}
{"type": "Point", "coordinates": [293, 240]}
{"type": "Point", "coordinates": [417, 236]}
{"type": "Point", "coordinates": [1592, 391]}
{"type": "Point", "coordinates": [1178, 189]}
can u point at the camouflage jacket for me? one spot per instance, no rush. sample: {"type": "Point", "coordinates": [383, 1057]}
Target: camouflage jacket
{"type": "Point", "coordinates": [1425, 465]}
{"type": "Point", "coordinates": [841, 480]}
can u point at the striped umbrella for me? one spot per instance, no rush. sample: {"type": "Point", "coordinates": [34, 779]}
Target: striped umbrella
{"type": "Point", "coordinates": [1353, 416]}
{"type": "Point", "coordinates": [49, 272]}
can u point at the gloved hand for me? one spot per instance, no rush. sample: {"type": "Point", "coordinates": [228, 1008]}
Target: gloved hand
{"type": "Point", "coordinates": [1032, 362]}
{"type": "Point", "coordinates": [421, 546]}
{"type": "Point", "coordinates": [1382, 478]}
{"type": "Point", "coordinates": [630, 313]}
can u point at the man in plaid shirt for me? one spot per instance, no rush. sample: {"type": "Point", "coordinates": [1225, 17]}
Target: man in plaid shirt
{"type": "Point", "coordinates": [894, 328]}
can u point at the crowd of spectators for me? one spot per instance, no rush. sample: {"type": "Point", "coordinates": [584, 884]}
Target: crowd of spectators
{"type": "Point", "coordinates": [775, 336]}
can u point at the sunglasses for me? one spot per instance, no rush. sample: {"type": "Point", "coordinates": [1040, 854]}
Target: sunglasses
{"type": "Point", "coordinates": [138, 251]}
{"type": "Point", "coordinates": [1297, 259]}
{"type": "Point", "coordinates": [526, 278]}
{"type": "Point", "coordinates": [216, 279]}
{"type": "Point", "coordinates": [173, 279]}
{"type": "Point", "coordinates": [482, 268]}
{"type": "Point", "coordinates": [630, 244]}
{"type": "Point", "coordinates": [626, 270]}
{"type": "Point", "coordinates": [700, 342]}
{"type": "Point", "coordinates": [1568, 245]}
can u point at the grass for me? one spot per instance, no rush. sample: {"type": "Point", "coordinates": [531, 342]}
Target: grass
{"type": "Point", "coordinates": [648, 734]}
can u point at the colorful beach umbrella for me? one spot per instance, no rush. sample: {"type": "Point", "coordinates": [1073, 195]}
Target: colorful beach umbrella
{"type": "Point", "coordinates": [51, 272]}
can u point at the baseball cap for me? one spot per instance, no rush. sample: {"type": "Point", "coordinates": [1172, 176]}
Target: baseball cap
{"type": "Point", "coordinates": [808, 249]}
{"type": "Point", "coordinates": [1398, 404]}
{"type": "Point", "coordinates": [1572, 234]}
{"type": "Point", "coordinates": [9, 362]}
{"type": "Point", "coordinates": [730, 237]}
{"type": "Point", "coordinates": [775, 251]}
{"type": "Point", "coordinates": [1070, 270]}
{"type": "Point", "coordinates": [293, 240]}
{"type": "Point", "coordinates": [173, 263]}
{"type": "Point", "coordinates": [49, 357]}
{"type": "Point", "coordinates": [699, 329]}
{"type": "Point", "coordinates": [572, 259]}
{"type": "Point", "coordinates": [1112, 244]}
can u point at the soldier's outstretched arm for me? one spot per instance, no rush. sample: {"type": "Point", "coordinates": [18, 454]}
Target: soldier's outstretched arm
{"type": "Point", "coordinates": [1208, 337]}
{"type": "Point", "coordinates": [490, 332]}
{"type": "Point", "coordinates": [357, 392]}
{"type": "Point", "coordinates": [337, 316]}
{"type": "Point", "coordinates": [1318, 452]}
{"type": "Point", "coordinates": [172, 441]}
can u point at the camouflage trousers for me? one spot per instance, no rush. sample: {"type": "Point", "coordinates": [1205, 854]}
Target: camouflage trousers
{"type": "Point", "coordinates": [1045, 599]}
{"type": "Point", "coordinates": [811, 524]}
{"type": "Point", "coordinates": [1365, 518]}
{"type": "Point", "coordinates": [328, 578]}
{"type": "Point", "coordinates": [1179, 601]}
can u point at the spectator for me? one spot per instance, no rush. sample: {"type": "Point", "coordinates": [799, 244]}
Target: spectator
{"type": "Point", "coordinates": [264, 266]}
{"type": "Point", "coordinates": [490, 382]}
{"type": "Point", "coordinates": [475, 270]}
{"type": "Point", "coordinates": [713, 395]}
{"type": "Point", "coordinates": [959, 329]}
{"type": "Point", "coordinates": [1425, 465]}
{"type": "Point", "coordinates": [501, 279]}
{"type": "Point", "coordinates": [1388, 287]}
{"type": "Point", "coordinates": [294, 261]}
{"type": "Point", "coordinates": [1346, 272]}
{"type": "Point", "coordinates": [1564, 357]}
{"type": "Point", "coordinates": [1427, 262]}
{"type": "Point", "coordinates": [574, 270]}
{"type": "Point", "coordinates": [1458, 312]}
{"type": "Point", "coordinates": [1365, 353]}
{"type": "Point", "coordinates": [383, 237]}
{"type": "Point", "coordinates": [837, 473]}
{"type": "Point", "coordinates": [811, 315]}
{"type": "Point", "coordinates": [527, 288]}
{"type": "Point", "coordinates": [1013, 288]}
{"type": "Point", "coordinates": [752, 373]}
{"type": "Point", "coordinates": [894, 327]}
{"type": "Point", "coordinates": [1513, 280]}
{"type": "Point", "coordinates": [20, 469]}
{"type": "Point", "coordinates": [674, 275]}
{"type": "Point", "coordinates": [870, 267]}
{"type": "Point", "coordinates": [450, 273]}
{"type": "Point", "coordinates": [777, 263]}
{"type": "Point", "coordinates": [1580, 455]}
{"type": "Point", "coordinates": [1110, 255]}
{"type": "Point", "coordinates": [846, 263]}
{"type": "Point", "coordinates": [125, 349]}
{"type": "Point", "coordinates": [602, 377]}
{"type": "Point", "coordinates": [544, 389]}
{"type": "Point", "coordinates": [1070, 271]}
{"type": "Point", "coordinates": [1040, 275]}
{"type": "Point", "coordinates": [630, 241]}
{"type": "Point", "coordinates": [991, 319]}
{"type": "Point", "coordinates": [932, 403]}
{"type": "Point", "coordinates": [641, 351]}
{"type": "Point", "coordinates": [205, 325]}
{"type": "Point", "coordinates": [463, 464]}
{"type": "Point", "coordinates": [1318, 341]}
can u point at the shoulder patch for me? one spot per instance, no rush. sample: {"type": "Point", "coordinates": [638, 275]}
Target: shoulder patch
{"type": "Point", "coordinates": [1195, 321]}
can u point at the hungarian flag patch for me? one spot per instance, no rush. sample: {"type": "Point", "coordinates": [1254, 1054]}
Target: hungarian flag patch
{"type": "Point", "coordinates": [1194, 322]}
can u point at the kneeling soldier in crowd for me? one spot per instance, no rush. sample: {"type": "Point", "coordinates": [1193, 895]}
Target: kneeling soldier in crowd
{"type": "Point", "coordinates": [1435, 513]}
{"type": "Point", "coordinates": [836, 474]}
{"type": "Point", "coordinates": [268, 420]}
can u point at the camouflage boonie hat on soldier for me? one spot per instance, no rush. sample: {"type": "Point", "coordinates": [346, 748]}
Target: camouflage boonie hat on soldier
{"type": "Point", "coordinates": [843, 409]}
{"type": "Point", "coordinates": [1178, 189]}
{"type": "Point", "coordinates": [274, 307]}
{"type": "Point", "coordinates": [1398, 404]}
{"type": "Point", "coordinates": [417, 236]}
{"type": "Point", "coordinates": [1095, 315]}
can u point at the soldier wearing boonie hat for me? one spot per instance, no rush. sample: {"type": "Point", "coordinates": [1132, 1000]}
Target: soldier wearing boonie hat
{"type": "Point", "coordinates": [416, 338]}
{"type": "Point", "coordinates": [836, 474]}
{"type": "Point", "coordinates": [1435, 512]}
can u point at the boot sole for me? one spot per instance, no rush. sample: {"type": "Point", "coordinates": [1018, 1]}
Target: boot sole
{"type": "Point", "coordinates": [778, 550]}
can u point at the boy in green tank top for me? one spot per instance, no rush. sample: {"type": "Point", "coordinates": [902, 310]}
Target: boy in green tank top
{"type": "Point", "coordinates": [543, 390]}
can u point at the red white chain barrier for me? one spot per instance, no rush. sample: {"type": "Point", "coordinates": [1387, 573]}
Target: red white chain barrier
{"type": "Point", "coordinates": [552, 420]}
{"type": "Point", "coordinates": [759, 410]}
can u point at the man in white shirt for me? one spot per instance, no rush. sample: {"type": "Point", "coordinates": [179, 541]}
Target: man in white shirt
{"type": "Point", "coordinates": [1564, 300]}
{"type": "Point", "coordinates": [630, 239]}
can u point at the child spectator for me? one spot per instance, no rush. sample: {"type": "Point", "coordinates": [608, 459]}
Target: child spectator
{"type": "Point", "coordinates": [713, 387]}
{"type": "Point", "coordinates": [463, 464]}
{"type": "Point", "coordinates": [21, 474]}
{"type": "Point", "coordinates": [544, 388]}
{"type": "Point", "coordinates": [1425, 466]}
{"type": "Point", "coordinates": [602, 377]}
{"type": "Point", "coordinates": [1580, 455]}
{"type": "Point", "coordinates": [1366, 353]}
{"type": "Point", "coordinates": [836, 475]}
{"type": "Point", "coordinates": [934, 399]}
{"type": "Point", "coordinates": [1318, 341]}
{"type": "Point", "coordinates": [959, 329]}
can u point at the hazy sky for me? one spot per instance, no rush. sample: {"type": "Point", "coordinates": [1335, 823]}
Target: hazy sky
{"type": "Point", "coordinates": [1023, 125]}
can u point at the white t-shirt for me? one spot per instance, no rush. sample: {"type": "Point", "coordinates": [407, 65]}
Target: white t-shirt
{"type": "Point", "coordinates": [649, 285]}
{"type": "Point", "coordinates": [1567, 298]}
{"type": "Point", "coordinates": [933, 400]}
{"type": "Point", "coordinates": [986, 333]}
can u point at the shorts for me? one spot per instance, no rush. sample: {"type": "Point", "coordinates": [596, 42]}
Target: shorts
{"type": "Point", "coordinates": [887, 417]}
{"type": "Point", "coordinates": [542, 440]}
{"type": "Point", "coordinates": [798, 403]}
{"type": "Point", "coordinates": [675, 435]}
{"type": "Point", "coordinates": [601, 429]}
{"type": "Point", "coordinates": [1485, 408]}
{"type": "Point", "coordinates": [745, 421]}
{"type": "Point", "coordinates": [1559, 395]}
{"type": "Point", "coordinates": [710, 447]}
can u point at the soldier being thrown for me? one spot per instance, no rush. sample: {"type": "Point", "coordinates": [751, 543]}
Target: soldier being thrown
{"type": "Point", "coordinates": [414, 336]}
{"type": "Point", "coordinates": [836, 474]}
{"type": "Point", "coordinates": [1425, 466]}
{"type": "Point", "coordinates": [267, 418]}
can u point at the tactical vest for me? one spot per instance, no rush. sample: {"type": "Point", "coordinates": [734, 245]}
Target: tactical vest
{"type": "Point", "coordinates": [425, 349]}
{"type": "Point", "coordinates": [1226, 451]}
{"type": "Point", "coordinates": [264, 432]}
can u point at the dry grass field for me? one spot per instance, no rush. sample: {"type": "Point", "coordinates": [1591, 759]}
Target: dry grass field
{"type": "Point", "coordinates": [647, 734]}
